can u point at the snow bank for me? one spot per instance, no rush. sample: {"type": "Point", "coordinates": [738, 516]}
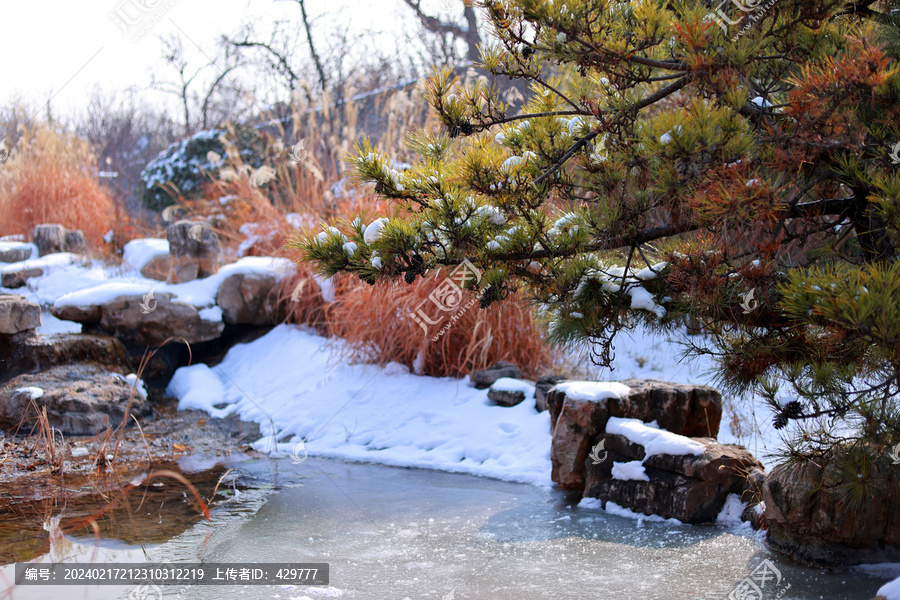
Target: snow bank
{"type": "Point", "coordinates": [594, 390]}
{"type": "Point", "coordinates": [137, 253]}
{"type": "Point", "coordinates": [890, 590]}
{"type": "Point", "coordinates": [198, 388]}
{"type": "Point", "coordinates": [654, 441]}
{"type": "Point", "coordinates": [103, 293]}
{"type": "Point", "coordinates": [46, 263]}
{"type": "Point", "coordinates": [287, 382]}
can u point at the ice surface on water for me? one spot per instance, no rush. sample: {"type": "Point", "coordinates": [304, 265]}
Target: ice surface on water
{"type": "Point", "coordinates": [398, 533]}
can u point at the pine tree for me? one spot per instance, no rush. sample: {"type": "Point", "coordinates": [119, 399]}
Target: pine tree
{"type": "Point", "coordinates": [732, 165]}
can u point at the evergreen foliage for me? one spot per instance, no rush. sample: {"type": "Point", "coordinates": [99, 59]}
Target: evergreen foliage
{"type": "Point", "coordinates": [670, 166]}
{"type": "Point", "coordinates": [180, 170]}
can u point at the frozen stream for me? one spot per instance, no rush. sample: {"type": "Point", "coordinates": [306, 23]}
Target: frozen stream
{"type": "Point", "coordinates": [395, 534]}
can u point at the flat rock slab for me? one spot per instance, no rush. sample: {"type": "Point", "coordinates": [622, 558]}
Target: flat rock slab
{"type": "Point", "coordinates": [690, 488]}
{"type": "Point", "coordinates": [33, 353]}
{"type": "Point", "coordinates": [145, 321]}
{"type": "Point", "coordinates": [11, 252]}
{"type": "Point", "coordinates": [578, 423]}
{"type": "Point", "coordinates": [249, 299]}
{"type": "Point", "coordinates": [485, 378]}
{"type": "Point", "coordinates": [80, 399]}
{"type": "Point", "coordinates": [18, 314]}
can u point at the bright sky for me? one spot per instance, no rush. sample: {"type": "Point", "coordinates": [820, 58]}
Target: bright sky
{"type": "Point", "coordinates": [64, 48]}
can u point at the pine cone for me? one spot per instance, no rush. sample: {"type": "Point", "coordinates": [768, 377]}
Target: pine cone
{"type": "Point", "coordinates": [781, 421]}
{"type": "Point", "coordinates": [489, 295]}
{"type": "Point", "coordinates": [792, 410]}
{"type": "Point", "coordinates": [410, 276]}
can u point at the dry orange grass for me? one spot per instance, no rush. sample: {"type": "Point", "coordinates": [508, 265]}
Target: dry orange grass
{"type": "Point", "coordinates": [376, 323]}
{"type": "Point", "coordinates": [50, 178]}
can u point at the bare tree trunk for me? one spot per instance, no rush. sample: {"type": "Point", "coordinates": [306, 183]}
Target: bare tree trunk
{"type": "Point", "coordinates": [312, 48]}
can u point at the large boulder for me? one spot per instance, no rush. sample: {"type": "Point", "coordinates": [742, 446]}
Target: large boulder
{"type": "Point", "coordinates": [810, 522]}
{"type": "Point", "coordinates": [542, 387]}
{"type": "Point", "coordinates": [158, 267]}
{"type": "Point", "coordinates": [49, 238]}
{"type": "Point", "coordinates": [79, 399]}
{"type": "Point", "coordinates": [75, 242]}
{"type": "Point", "coordinates": [249, 299]}
{"type": "Point", "coordinates": [510, 392]}
{"type": "Point", "coordinates": [145, 320]}
{"type": "Point", "coordinates": [33, 353]}
{"type": "Point", "coordinates": [194, 247]}
{"type": "Point", "coordinates": [18, 314]}
{"type": "Point", "coordinates": [579, 412]}
{"type": "Point", "coordinates": [485, 378]}
{"type": "Point", "coordinates": [691, 488]}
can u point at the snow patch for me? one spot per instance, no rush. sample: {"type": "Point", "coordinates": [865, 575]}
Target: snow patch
{"type": "Point", "coordinates": [629, 471]}
{"type": "Point", "coordinates": [374, 230]}
{"type": "Point", "coordinates": [731, 511]}
{"type": "Point", "coordinates": [593, 390]}
{"type": "Point", "coordinates": [509, 384]}
{"type": "Point", "coordinates": [654, 441]}
{"type": "Point", "coordinates": [34, 392]}
{"type": "Point", "coordinates": [137, 253]}
{"type": "Point", "coordinates": [213, 313]}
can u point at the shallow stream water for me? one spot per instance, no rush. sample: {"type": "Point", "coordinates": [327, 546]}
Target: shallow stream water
{"type": "Point", "coordinates": [393, 534]}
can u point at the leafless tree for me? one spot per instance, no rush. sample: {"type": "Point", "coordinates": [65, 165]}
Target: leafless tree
{"type": "Point", "coordinates": [208, 94]}
{"type": "Point", "coordinates": [465, 29]}
{"type": "Point", "coordinates": [125, 135]}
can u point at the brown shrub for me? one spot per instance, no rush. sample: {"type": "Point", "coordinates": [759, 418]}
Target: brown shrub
{"type": "Point", "coordinates": [50, 178]}
{"type": "Point", "coordinates": [376, 323]}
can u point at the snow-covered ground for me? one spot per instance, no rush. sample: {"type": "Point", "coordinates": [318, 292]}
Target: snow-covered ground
{"type": "Point", "coordinates": [294, 385]}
